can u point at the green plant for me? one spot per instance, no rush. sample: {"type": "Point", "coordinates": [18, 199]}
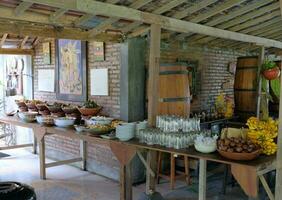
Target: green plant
{"type": "Point", "coordinates": [275, 86]}
{"type": "Point", "coordinates": [90, 104]}
{"type": "Point", "coordinates": [268, 64]}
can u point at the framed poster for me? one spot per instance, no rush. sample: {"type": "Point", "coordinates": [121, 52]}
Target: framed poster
{"type": "Point", "coordinates": [99, 82]}
{"type": "Point", "coordinates": [99, 54]}
{"type": "Point", "coordinates": [46, 53]}
{"type": "Point", "coordinates": [71, 83]}
{"type": "Point", "coordinates": [46, 80]}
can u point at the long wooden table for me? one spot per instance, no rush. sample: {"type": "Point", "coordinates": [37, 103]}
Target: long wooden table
{"type": "Point", "coordinates": [247, 173]}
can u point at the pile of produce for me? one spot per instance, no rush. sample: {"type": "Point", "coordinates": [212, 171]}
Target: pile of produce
{"type": "Point", "coordinates": [237, 145]}
{"type": "Point", "coordinates": [263, 133]}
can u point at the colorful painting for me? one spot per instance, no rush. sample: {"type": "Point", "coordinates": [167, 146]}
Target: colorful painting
{"type": "Point", "coordinates": [71, 70]}
{"type": "Point", "coordinates": [99, 51]}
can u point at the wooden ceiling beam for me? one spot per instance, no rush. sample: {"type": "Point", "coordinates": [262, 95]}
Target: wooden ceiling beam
{"type": "Point", "coordinates": [51, 32]}
{"type": "Point", "coordinates": [3, 39]}
{"type": "Point", "coordinates": [211, 12]}
{"type": "Point", "coordinates": [35, 42]}
{"type": "Point", "coordinates": [16, 51]}
{"type": "Point", "coordinates": [108, 22]}
{"type": "Point", "coordinates": [244, 25]}
{"type": "Point", "coordinates": [235, 16]}
{"type": "Point", "coordinates": [57, 14]}
{"type": "Point", "coordinates": [168, 23]}
{"type": "Point", "coordinates": [159, 11]}
{"type": "Point", "coordinates": [22, 44]}
{"type": "Point", "coordinates": [21, 8]}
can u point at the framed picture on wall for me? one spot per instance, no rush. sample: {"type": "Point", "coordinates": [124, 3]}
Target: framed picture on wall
{"type": "Point", "coordinates": [99, 54]}
{"type": "Point", "coordinates": [46, 53]}
{"type": "Point", "coordinates": [71, 78]}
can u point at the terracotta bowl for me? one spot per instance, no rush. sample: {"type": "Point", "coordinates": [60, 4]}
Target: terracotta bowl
{"type": "Point", "coordinates": [41, 106]}
{"type": "Point", "coordinates": [90, 111]}
{"type": "Point", "coordinates": [31, 105]}
{"type": "Point", "coordinates": [20, 103]}
{"type": "Point", "coordinates": [44, 112]}
{"type": "Point", "coordinates": [271, 74]}
{"type": "Point", "coordinates": [23, 109]}
{"type": "Point", "coordinates": [54, 108]}
{"type": "Point", "coordinates": [58, 114]}
{"type": "Point", "coordinates": [70, 109]}
{"type": "Point", "coordinates": [240, 156]}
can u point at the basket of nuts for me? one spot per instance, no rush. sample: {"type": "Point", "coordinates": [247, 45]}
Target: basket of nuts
{"type": "Point", "coordinates": [238, 148]}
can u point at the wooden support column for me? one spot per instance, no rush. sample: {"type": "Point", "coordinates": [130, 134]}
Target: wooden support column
{"type": "Point", "coordinates": [260, 62]}
{"type": "Point", "coordinates": [278, 185]}
{"type": "Point", "coordinates": [154, 65]}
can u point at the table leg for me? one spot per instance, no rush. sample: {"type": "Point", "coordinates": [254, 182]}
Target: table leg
{"type": "Point", "coordinates": [125, 182]}
{"type": "Point", "coordinates": [152, 163]}
{"type": "Point", "coordinates": [42, 158]}
{"type": "Point", "coordinates": [34, 144]}
{"type": "Point", "coordinates": [83, 154]}
{"type": "Point", "coordinates": [202, 179]}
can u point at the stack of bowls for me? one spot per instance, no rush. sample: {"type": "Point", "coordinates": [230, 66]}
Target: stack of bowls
{"type": "Point", "coordinates": [125, 131]}
{"type": "Point", "coordinates": [27, 116]}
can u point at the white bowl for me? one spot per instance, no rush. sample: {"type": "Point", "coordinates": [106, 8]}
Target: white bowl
{"type": "Point", "coordinates": [80, 128]}
{"type": "Point", "coordinates": [27, 116]}
{"type": "Point", "coordinates": [45, 120]}
{"type": "Point", "coordinates": [204, 148]}
{"type": "Point", "coordinates": [99, 120]}
{"type": "Point", "coordinates": [64, 122]}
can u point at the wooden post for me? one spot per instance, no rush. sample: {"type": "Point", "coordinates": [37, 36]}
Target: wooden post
{"type": "Point", "coordinates": [260, 62]}
{"type": "Point", "coordinates": [125, 182]}
{"type": "Point", "coordinates": [152, 163]}
{"type": "Point", "coordinates": [154, 65]}
{"type": "Point", "coordinates": [278, 185]}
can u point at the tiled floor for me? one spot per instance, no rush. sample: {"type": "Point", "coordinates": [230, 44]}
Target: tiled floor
{"type": "Point", "coordinates": [70, 183]}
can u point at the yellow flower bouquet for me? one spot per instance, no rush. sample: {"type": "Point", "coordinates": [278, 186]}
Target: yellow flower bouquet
{"type": "Point", "coordinates": [263, 133]}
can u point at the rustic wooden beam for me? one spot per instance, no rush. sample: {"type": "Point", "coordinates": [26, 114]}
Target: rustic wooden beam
{"type": "Point", "coordinates": [16, 51]}
{"type": "Point", "coordinates": [154, 65]}
{"type": "Point", "coordinates": [107, 23]}
{"type": "Point", "coordinates": [35, 42]}
{"type": "Point", "coordinates": [21, 46]}
{"type": "Point", "coordinates": [242, 22]}
{"type": "Point", "coordinates": [57, 14]}
{"type": "Point", "coordinates": [233, 15]}
{"type": "Point", "coordinates": [83, 19]}
{"type": "Point", "coordinates": [22, 7]}
{"type": "Point", "coordinates": [51, 32]}
{"type": "Point", "coordinates": [260, 62]}
{"type": "Point", "coordinates": [169, 23]}
{"type": "Point", "coordinates": [3, 39]}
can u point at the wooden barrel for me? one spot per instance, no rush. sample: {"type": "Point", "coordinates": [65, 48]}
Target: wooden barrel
{"type": "Point", "coordinates": [245, 87]}
{"type": "Point", "coordinates": [174, 92]}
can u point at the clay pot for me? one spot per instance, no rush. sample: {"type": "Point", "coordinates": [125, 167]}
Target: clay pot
{"type": "Point", "coordinates": [271, 74]}
{"type": "Point", "coordinates": [89, 111]}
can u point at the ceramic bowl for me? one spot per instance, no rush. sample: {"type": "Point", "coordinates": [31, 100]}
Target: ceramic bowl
{"type": "Point", "coordinates": [89, 111]}
{"type": "Point", "coordinates": [64, 122]}
{"type": "Point", "coordinates": [54, 108]}
{"type": "Point", "coordinates": [99, 120]}
{"type": "Point", "coordinates": [204, 148]}
{"type": "Point", "coordinates": [45, 120]}
{"type": "Point", "coordinates": [41, 107]}
{"type": "Point", "coordinates": [70, 109]}
{"type": "Point", "coordinates": [27, 116]}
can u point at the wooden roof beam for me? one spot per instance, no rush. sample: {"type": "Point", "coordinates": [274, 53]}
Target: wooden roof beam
{"type": "Point", "coordinates": [51, 32]}
{"type": "Point", "coordinates": [108, 22]}
{"type": "Point", "coordinates": [22, 7]}
{"type": "Point", "coordinates": [22, 44]}
{"type": "Point", "coordinates": [57, 14]}
{"type": "Point", "coordinates": [83, 19]}
{"type": "Point", "coordinates": [213, 11]}
{"type": "Point", "coordinates": [16, 51]}
{"type": "Point", "coordinates": [246, 25]}
{"type": "Point", "coordinates": [3, 39]}
{"type": "Point", "coordinates": [235, 17]}
{"type": "Point", "coordinates": [35, 42]}
{"type": "Point", "coordinates": [168, 23]}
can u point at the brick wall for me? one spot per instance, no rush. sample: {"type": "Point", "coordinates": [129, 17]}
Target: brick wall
{"type": "Point", "coordinates": [212, 70]}
{"type": "Point", "coordinates": [100, 158]}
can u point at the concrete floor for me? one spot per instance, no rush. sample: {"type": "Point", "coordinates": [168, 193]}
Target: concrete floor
{"type": "Point", "coordinates": [70, 183]}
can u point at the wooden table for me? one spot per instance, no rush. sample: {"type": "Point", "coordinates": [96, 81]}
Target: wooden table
{"type": "Point", "coordinates": [247, 173]}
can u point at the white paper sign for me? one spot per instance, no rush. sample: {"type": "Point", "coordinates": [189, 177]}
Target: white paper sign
{"type": "Point", "coordinates": [46, 80]}
{"type": "Point", "coordinates": [99, 82]}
